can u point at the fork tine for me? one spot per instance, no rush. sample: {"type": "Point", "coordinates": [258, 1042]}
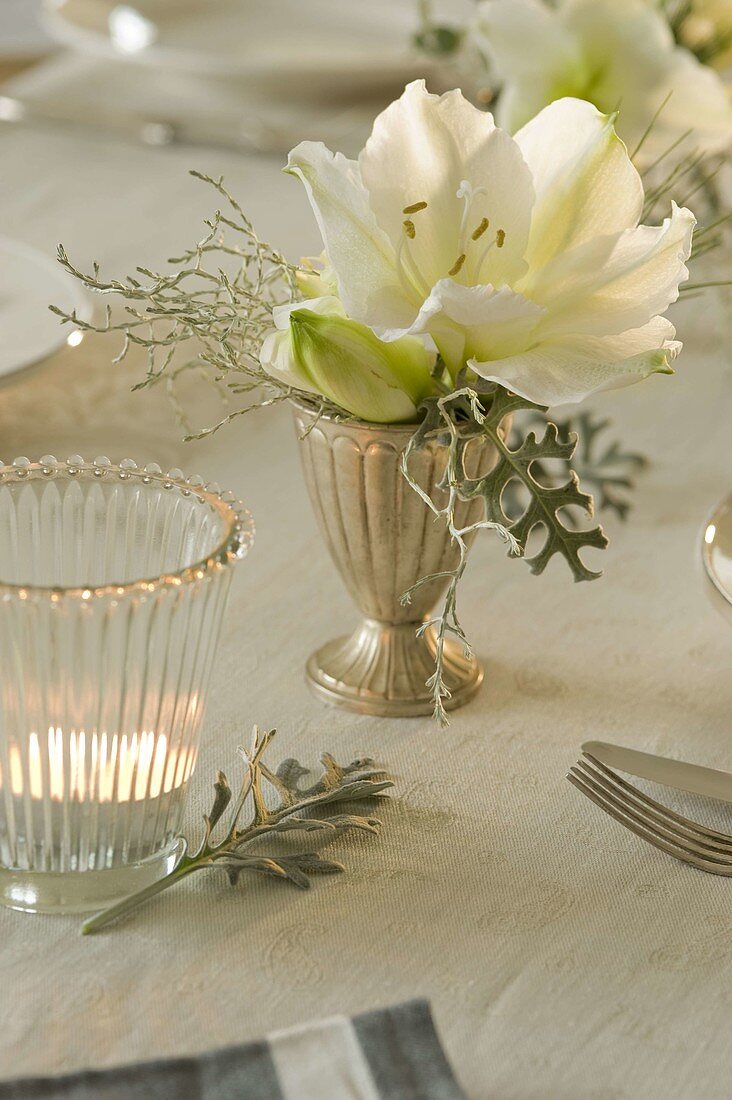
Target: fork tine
{"type": "Point", "coordinates": [711, 834]}
{"type": "Point", "coordinates": [646, 832]}
{"type": "Point", "coordinates": [665, 832]}
{"type": "Point", "coordinates": [660, 815]}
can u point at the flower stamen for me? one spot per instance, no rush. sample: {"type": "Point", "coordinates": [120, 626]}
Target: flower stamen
{"type": "Point", "coordinates": [457, 265]}
{"type": "Point", "coordinates": [468, 194]}
{"type": "Point", "coordinates": [478, 233]}
{"type": "Point", "coordinates": [498, 242]}
{"type": "Point", "coordinates": [409, 275]}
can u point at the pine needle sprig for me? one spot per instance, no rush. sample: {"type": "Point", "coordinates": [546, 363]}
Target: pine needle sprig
{"type": "Point", "coordinates": [294, 811]}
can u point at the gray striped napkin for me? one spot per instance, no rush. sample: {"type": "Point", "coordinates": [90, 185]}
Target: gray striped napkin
{"type": "Point", "coordinates": [390, 1054]}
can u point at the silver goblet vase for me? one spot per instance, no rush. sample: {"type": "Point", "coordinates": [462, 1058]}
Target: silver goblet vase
{"type": "Point", "coordinates": [383, 538]}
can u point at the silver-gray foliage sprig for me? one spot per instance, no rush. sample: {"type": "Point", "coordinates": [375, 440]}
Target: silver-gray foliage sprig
{"type": "Point", "coordinates": [439, 421]}
{"type": "Point", "coordinates": [296, 810]}
{"type": "Point", "coordinates": [210, 313]}
{"type": "Point", "coordinates": [603, 465]}
{"type": "Point", "coordinates": [488, 411]}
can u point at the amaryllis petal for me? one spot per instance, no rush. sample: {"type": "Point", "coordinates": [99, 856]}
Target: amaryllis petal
{"type": "Point", "coordinates": [503, 23]}
{"type": "Point", "coordinates": [315, 277]}
{"type": "Point", "coordinates": [619, 55]}
{"type": "Point", "coordinates": [567, 371]}
{"type": "Point", "coordinates": [585, 182]}
{"type": "Point", "coordinates": [443, 181]}
{"type": "Point", "coordinates": [359, 251]}
{"type": "Point", "coordinates": [641, 67]}
{"type": "Point", "coordinates": [318, 349]}
{"type": "Point", "coordinates": [658, 333]}
{"type": "Point", "coordinates": [476, 321]}
{"type": "Point", "coordinates": [616, 282]}
{"type": "Point", "coordinates": [519, 258]}
{"type": "Point", "coordinates": [276, 357]}
{"type": "Point", "coordinates": [328, 305]}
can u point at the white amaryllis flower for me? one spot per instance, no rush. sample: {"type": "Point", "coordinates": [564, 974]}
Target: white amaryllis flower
{"type": "Point", "coordinates": [521, 258]}
{"type": "Point", "coordinates": [618, 54]}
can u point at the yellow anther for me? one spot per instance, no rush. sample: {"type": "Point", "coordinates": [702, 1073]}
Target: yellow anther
{"type": "Point", "coordinates": [409, 228]}
{"type": "Point", "coordinates": [414, 208]}
{"type": "Point", "coordinates": [457, 265]}
{"type": "Point", "coordinates": [477, 233]}
{"type": "Point", "coordinates": [500, 238]}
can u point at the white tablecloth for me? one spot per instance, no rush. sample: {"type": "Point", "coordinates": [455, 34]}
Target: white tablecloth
{"type": "Point", "coordinates": [563, 958]}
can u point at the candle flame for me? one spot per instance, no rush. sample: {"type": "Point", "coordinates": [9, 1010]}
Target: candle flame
{"type": "Point", "coordinates": [97, 768]}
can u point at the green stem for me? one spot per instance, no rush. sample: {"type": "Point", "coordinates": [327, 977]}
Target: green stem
{"type": "Point", "coordinates": [121, 908]}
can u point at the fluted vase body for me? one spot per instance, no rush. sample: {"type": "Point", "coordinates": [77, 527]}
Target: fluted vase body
{"type": "Point", "coordinates": [113, 581]}
{"type": "Point", "coordinates": [383, 539]}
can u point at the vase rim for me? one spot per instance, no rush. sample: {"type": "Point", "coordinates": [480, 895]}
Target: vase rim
{"type": "Point", "coordinates": [232, 546]}
{"type": "Point", "coordinates": [409, 426]}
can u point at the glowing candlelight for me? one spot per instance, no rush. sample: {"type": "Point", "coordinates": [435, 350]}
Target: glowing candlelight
{"type": "Point", "coordinates": [98, 768]}
{"type": "Point", "coordinates": [113, 581]}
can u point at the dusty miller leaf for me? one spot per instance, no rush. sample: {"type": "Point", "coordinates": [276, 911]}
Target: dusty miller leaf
{"type": "Point", "coordinates": [294, 869]}
{"type": "Point", "coordinates": [456, 420]}
{"type": "Point", "coordinates": [221, 800]}
{"type": "Point", "coordinates": [606, 467]}
{"type": "Point", "coordinates": [359, 780]}
{"type": "Point", "coordinates": [545, 501]}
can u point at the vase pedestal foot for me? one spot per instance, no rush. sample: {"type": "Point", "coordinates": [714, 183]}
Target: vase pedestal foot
{"type": "Point", "coordinates": [382, 668]}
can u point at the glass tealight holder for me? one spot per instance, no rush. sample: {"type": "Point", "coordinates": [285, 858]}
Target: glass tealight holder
{"type": "Point", "coordinates": [113, 581]}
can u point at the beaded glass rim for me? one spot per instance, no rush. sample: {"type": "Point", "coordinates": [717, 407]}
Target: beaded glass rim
{"type": "Point", "coordinates": [235, 545]}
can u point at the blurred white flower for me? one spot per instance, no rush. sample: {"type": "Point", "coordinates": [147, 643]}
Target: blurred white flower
{"type": "Point", "coordinates": [319, 350]}
{"type": "Point", "coordinates": [619, 55]}
{"type": "Point", "coordinates": [522, 259]}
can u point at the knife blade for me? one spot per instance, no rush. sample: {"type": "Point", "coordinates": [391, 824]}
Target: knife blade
{"type": "Point", "coordinates": [250, 134]}
{"type": "Point", "coordinates": [660, 769]}
{"type": "Point", "coordinates": [144, 130]}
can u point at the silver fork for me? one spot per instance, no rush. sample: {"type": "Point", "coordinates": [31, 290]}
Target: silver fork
{"type": "Point", "coordinates": [686, 840]}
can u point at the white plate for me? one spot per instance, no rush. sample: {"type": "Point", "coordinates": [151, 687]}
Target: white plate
{"type": "Point", "coordinates": [30, 281]}
{"type": "Point", "coordinates": [226, 37]}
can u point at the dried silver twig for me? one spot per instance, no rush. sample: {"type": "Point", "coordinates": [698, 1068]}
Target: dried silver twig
{"type": "Point", "coordinates": [210, 313]}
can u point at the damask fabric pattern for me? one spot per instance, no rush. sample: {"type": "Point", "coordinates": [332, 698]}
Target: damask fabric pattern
{"type": "Point", "coordinates": [563, 959]}
{"type": "Point", "coordinates": [392, 1054]}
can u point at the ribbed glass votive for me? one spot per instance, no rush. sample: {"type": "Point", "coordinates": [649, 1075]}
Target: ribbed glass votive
{"type": "Point", "coordinates": [113, 580]}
